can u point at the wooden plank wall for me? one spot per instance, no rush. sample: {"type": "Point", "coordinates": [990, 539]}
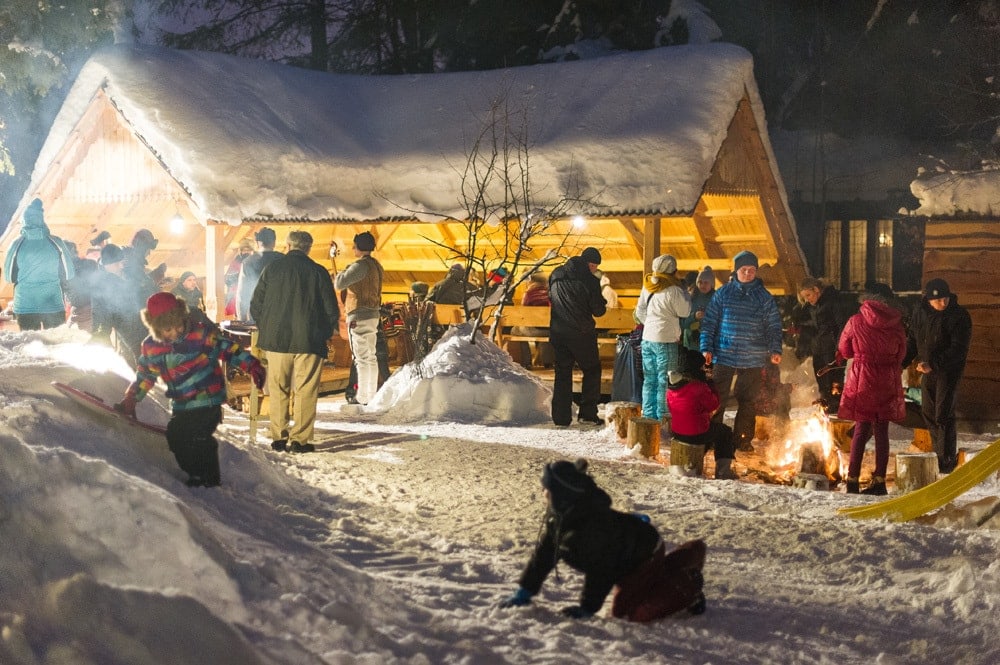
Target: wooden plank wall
{"type": "Point", "coordinates": [966, 254]}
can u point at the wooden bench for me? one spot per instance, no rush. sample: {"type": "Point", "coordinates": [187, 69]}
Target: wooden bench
{"type": "Point", "coordinates": [615, 322]}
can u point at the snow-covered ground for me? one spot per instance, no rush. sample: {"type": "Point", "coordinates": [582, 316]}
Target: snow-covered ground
{"type": "Point", "coordinates": [394, 542]}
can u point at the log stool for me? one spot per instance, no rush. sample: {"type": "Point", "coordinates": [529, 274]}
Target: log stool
{"type": "Point", "coordinates": [915, 470]}
{"type": "Point", "coordinates": [687, 459]}
{"type": "Point", "coordinates": [618, 414]}
{"type": "Point", "coordinates": [645, 433]}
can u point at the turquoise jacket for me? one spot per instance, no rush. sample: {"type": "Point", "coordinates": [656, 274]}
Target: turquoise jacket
{"type": "Point", "coordinates": [38, 265]}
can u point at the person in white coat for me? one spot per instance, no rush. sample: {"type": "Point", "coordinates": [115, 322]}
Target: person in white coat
{"type": "Point", "coordinates": [663, 302]}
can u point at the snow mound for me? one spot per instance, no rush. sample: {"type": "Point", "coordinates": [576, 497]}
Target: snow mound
{"type": "Point", "coordinates": [441, 386]}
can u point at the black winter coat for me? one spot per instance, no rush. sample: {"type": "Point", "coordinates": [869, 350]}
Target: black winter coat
{"type": "Point", "coordinates": [576, 298]}
{"type": "Point", "coordinates": [940, 338]}
{"type": "Point", "coordinates": [294, 306]}
{"type": "Point", "coordinates": [829, 316]}
{"type": "Point", "coordinates": [603, 544]}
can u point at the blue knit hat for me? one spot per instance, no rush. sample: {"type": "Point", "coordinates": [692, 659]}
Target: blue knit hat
{"type": "Point", "coordinates": [745, 258]}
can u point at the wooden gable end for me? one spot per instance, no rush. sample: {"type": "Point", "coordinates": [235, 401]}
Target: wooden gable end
{"type": "Point", "coordinates": [105, 178]}
{"type": "Point", "coordinates": [742, 206]}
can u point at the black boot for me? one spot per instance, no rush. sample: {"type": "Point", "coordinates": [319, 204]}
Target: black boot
{"type": "Point", "coordinates": [876, 488]}
{"type": "Point", "coordinates": [853, 486]}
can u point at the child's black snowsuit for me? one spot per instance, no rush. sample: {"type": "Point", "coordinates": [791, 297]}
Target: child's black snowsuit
{"type": "Point", "coordinates": [601, 543]}
{"type": "Point", "coordinates": [610, 548]}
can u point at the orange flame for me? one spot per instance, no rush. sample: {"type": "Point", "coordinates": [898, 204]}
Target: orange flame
{"type": "Point", "coordinates": [783, 458]}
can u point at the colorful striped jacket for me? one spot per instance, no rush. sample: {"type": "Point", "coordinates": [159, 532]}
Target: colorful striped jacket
{"type": "Point", "coordinates": [190, 367]}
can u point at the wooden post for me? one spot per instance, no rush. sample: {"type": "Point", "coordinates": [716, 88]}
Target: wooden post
{"type": "Point", "coordinates": [922, 440]}
{"type": "Point", "coordinates": [618, 415]}
{"type": "Point", "coordinates": [644, 432]}
{"type": "Point", "coordinates": [687, 459]}
{"type": "Point", "coordinates": [915, 470]}
{"type": "Point", "coordinates": [254, 393]}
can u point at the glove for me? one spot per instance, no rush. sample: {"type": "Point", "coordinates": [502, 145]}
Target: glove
{"type": "Point", "coordinates": [258, 374]}
{"type": "Point", "coordinates": [642, 517]}
{"type": "Point", "coordinates": [519, 598]}
{"type": "Point", "coordinates": [126, 407]}
{"type": "Point", "coordinates": [576, 612]}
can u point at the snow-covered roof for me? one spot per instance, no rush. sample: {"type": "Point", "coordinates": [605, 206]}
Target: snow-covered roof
{"type": "Point", "coordinates": [958, 192]}
{"type": "Point", "coordinates": [249, 138]}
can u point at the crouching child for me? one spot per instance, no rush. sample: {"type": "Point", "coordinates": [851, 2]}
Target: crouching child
{"type": "Point", "coordinates": [692, 400]}
{"type": "Point", "coordinates": [185, 354]}
{"type": "Point", "coordinates": [613, 550]}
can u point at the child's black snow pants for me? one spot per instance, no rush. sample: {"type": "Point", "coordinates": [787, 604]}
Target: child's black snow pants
{"type": "Point", "coordinates": [191, 440]}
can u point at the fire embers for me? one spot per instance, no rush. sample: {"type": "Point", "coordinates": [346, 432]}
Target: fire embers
{"type": "Point", "coordinates": [807, 455]}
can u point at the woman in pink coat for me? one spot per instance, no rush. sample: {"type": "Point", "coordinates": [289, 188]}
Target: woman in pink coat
{"type": "Point", "coordinates": [873, 391]}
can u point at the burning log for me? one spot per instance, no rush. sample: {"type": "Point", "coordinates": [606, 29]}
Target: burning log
{"type": "Point", "coordinates": [915, 470]}
{"type": "Point", "coordinates": [644, 432]}
{"type": "Point", "coordinates": [812, 458]}
{"type": "Point", "coordinates": [842, 431]}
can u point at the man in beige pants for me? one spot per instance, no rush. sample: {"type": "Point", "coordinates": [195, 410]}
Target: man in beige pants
{"type": "Point", "coordinates": [296, 312]}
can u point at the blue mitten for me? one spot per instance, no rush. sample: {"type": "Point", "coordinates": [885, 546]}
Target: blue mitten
{"type": "Point", "coordinates": [517, 599]}
{"type": "Point", "coordinates": [576, 612]}
{"type": "Point", "coordinates": [642, 517]}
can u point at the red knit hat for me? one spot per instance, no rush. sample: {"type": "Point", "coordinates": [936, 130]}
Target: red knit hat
{"type": "Point", "coordinates": [161, 303]}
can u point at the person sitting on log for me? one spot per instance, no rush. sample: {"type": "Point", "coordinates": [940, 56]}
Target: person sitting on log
{"type": "Point", "coordinates": [610, 548]}
{"type": "Point", "coordinates": [693, 399]}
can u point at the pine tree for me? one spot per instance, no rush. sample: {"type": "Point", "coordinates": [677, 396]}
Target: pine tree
{"type": "Point", "coordinates": [43, 44]}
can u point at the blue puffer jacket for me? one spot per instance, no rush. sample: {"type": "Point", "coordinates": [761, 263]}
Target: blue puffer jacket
{"type": "Point", "coordinates": [742, 325]}
{"type": "Point", "coordinates": [38, 264]}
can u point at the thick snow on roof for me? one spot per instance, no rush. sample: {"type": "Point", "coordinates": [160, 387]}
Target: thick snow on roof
{"type": "Point", "coordinates": [634, 131]}
{"type": "Point", "coordinates": [958, 192]}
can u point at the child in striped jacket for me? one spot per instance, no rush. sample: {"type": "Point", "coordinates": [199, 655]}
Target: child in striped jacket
{"type": "Point", "coordinates": [185, 354]}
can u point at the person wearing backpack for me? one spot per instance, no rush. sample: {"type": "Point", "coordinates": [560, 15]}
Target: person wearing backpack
{"type": "Point", "coordinates": [38, 264]}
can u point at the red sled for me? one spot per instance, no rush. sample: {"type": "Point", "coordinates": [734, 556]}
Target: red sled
{"type": "Point", "coordinates": [97, 405]}
{"type": "Point", "coordinates": [669, 582]}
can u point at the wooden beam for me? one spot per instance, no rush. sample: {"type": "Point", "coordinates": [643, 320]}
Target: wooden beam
{"type": "Point", "coordinates": [215, 296]}
{"type": "Point", "coordinates": [650, 243]}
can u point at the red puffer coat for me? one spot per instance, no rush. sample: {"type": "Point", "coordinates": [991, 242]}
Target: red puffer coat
{"type": "Point", "coordinates": [875, 339]}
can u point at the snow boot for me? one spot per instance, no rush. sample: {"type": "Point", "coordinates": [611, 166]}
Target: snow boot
{"type": "Point", "coordinates": [724, 469]}
{"type": "Point", "coordinates": [853, 486]}
{"type": "Point", "coordinates": [297, 447]}
{"type": "Point", "coordinates": [876, 488]}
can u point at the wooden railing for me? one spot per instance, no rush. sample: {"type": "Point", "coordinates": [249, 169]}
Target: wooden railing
{"type": "Point", "coordinates": [614, 322]}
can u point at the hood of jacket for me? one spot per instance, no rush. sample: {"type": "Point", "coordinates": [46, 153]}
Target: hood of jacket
{"type": "Point", "coordinates": [34, 221]}
{"type": "Point", "coordinates": [878, 314]}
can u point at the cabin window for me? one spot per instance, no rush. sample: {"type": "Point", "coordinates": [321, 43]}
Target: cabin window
{"type": "Point", "coordinates": [883, 251]}
{"type": "Point", "coordinates": [857, 259]}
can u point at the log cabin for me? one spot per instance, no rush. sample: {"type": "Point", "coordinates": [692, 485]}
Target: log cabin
{"type": "Point", "coordinates": [665, 150]}
{"type": "Point", "coordinates": [961, 211]}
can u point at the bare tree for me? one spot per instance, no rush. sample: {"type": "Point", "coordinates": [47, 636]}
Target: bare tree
{"type": "Point", "coordinates": [502, 219]}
